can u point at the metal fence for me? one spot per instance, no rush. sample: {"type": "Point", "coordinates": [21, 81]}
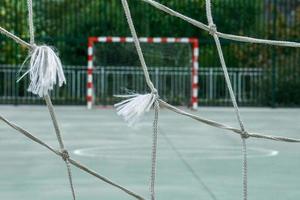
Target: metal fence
{"type": "Point", "coordinates": [12, 92]}
{"type": "Point", "coordinates": [246, 84]}
{"type": "Point", "coordinates": [66, 24]}
{"type": "Point", "coordinates": [174, 85]}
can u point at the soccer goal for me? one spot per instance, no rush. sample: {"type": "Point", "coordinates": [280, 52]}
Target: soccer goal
{"type": "Point", "coordinates": [113, 66]}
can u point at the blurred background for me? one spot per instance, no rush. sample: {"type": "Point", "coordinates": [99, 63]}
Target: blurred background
{"type": "Point", "coordinates": [261, 75]}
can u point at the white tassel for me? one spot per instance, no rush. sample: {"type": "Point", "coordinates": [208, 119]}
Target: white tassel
{"type": "Point", "coordinates": [44, 69]}
{"type": "Point", "coordinates": [134, 107]}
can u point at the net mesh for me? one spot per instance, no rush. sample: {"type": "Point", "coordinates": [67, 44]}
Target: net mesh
{"type": "Point", "coordinates": [162, 59]}
{"type": "Point", "coordinates": [154, 100]}
{"type": "Point", "coordinates": [155, 54]}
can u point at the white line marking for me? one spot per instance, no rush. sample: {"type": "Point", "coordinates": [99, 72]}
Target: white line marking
{"type": "Point", "coordinates": [125, 151]}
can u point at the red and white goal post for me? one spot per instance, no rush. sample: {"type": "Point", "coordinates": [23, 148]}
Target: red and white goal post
{"type": "Point", "coordinates": [194, 72]}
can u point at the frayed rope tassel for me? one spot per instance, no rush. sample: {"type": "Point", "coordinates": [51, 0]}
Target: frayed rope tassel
{"type": "Point", "coordinates": [135, 106]}
{"type": "Point", "coordinates": [44, 69]}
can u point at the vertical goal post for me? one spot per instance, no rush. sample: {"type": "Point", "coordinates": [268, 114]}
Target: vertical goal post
{"type": "Point", "coordinates": [194, 42]}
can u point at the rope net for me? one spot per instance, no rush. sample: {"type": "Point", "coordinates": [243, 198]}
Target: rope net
{"type": "Point", "coordinates": [161, 57]}
{"type": "Point", "coordinates": [45, 68]}
{"type": "Point", "coordinates": [156, 54]}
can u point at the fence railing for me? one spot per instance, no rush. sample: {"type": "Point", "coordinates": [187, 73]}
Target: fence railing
{"type": "Point", "coordinates": [246, 85]}
{"type": "Point", "coordinates": [173, 84]}
{"type": "Point", "coordinates": [12, 92]}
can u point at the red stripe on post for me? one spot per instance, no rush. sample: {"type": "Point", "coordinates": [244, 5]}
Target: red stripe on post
{"type": "Point", "coordinates": [109, 39]}
{"type": "Point", "coordinates": [150, 40]}
{"type": "Point", "coordinates": [194, 101]}
{"type": "Point", "coordinates": [164, 40]}
{"type": "Point", "coordinates": [89, 98]}
{"type": "Point", "coordinates": [94, 39]}
{"type": "Point", "coordinates": [192, 40]}
{"type": "Point", "coordinates": [90, 71]}
{"type": "Point", "coordinates": [195, 43]}
{"type": "Point", "coordinates": [194, 86]}
{"type": "Point", "coordinates": [89, 85]}
{"type": "Point", "coordinates": [91, 41]}
{"type": "Point", "coordinates": [122, 39]}
{"type": "Point", "coordinates": [90, 57]}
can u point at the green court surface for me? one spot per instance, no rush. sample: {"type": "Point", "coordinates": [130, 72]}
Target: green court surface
{"type": "Point", "coordinates": [195, 161]}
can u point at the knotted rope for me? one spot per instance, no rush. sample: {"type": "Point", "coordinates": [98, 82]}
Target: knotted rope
{"type": "Point", "coordinates": [65, 154]}
{"type": "Point", "coordinates": [213, 31]}
{"type": "Point", "coordinates": [221, 35]}
{"type": "Point", "coordinates": [155, 97]}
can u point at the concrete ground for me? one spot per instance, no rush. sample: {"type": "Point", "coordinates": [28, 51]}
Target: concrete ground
{"type": "Point", "coordinates": [195, 161]}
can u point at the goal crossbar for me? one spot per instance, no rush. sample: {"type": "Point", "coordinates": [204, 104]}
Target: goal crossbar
{"type": "Point", "coordinates": [194, 42]}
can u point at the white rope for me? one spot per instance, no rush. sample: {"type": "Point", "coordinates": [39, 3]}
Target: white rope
{"type": "Point", "coordinates": [245, 169]}
{"type": "Point", "coordinates": [223, 64]}
{"type": "Point", "coordinates": [213, 31]}
{"type": "Point", "coordinates": [137, 45]}
{"type": "Point", "coordinates": [138, 105]}
{"type": "Point", "coordinates": [221, 35]}
{"type": "Point", "coordinates": [258, 41]}
{"type": "Point", "coordinates": [60, 141]}
{"type": "Point", "coordinates": [226, 127]}
{"type": "Point", "coordinates": [154, 150]}
{"type": "Point", "coordinates": [45, 65]}
{"type": "Point", "coordinates": [30, 21]}
{"type": "Point", "coordinates": [177, 14]}
{"type": "Point", "coordinates": [15, 38]}
{"type": "Point", "coordinates": [54, 120]}
{"type": "Point", "coordinates": [64, 155]}
{"type": "Point", "coordinates": [228, 82]}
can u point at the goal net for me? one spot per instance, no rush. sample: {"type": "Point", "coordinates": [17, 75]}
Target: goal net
{"type": "Point", "coordinates": [45, 70]}
{"type": "Point", "coordinates": [113, 68]}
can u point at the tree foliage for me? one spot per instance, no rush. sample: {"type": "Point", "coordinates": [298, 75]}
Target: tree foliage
{"type": "Point", "coordinates": [66, 24]}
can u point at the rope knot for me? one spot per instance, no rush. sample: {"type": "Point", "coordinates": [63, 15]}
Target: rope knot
{"type": "Point", "coordinates": [245, 135]}
{"type": "Point", "coordinates": [65, 155]}
{"type": "Point", "coordinates": [33, 46]}
{"type": "Point", "coordinates": [155, 93]}
{"type": "Point", "coordinates": [212, 29]}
